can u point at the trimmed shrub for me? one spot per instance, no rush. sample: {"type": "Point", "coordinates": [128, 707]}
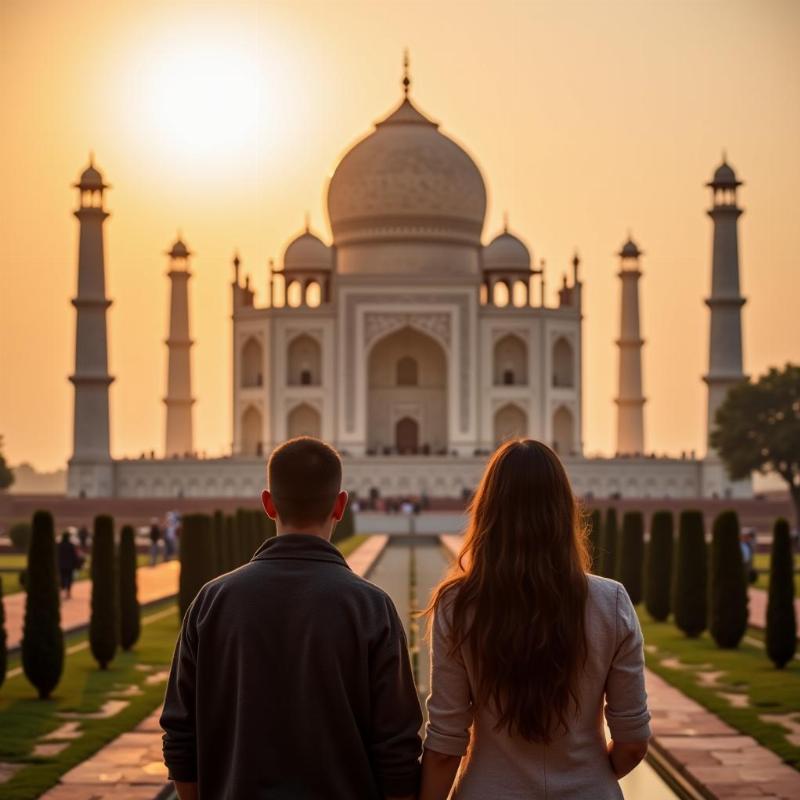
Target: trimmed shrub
{"type": "Point", "coordinates": [630, 555]}
{"type": "Point", "coordinates": [197, 558]}
{"type": "Point", "coordinates": [220, 553]}
{"type": "Point", "coordinates": [3, 639]}
{"type": "Point", "coordinates": [658, 566]}
{"type": "Point", "coordinates": [594, 530]}
{"type": "Point", "coordinates": [129, 612]}
{"type": "Point", "coordinates": [727, 583]}
{"type": "Point", "coordinates": [608, 555]}
{"type": "Point", "coordinates": [20, 535]}
{"type": "Point", "coordinates": [346, 527]}
{"type": "Point", "coordinates": [689, 597]}
{"type": "Point", "coordinates": [42, 638]}
{"type": "Point", "coordinates": [231, 543]}
{"type": "Point", "coordinates": [104, 622]}
{"type": "Point", "coordinates": [781, 617]}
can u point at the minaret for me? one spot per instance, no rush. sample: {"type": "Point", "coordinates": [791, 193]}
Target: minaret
{"type": "Point", "coordinates": [630, 400]}
{"type": "Point", "coordinates": [725, 338]}
{"type": "Point", "coordinates": [90, 464]}
{"type": "Point", "coordinates": [179, 440]}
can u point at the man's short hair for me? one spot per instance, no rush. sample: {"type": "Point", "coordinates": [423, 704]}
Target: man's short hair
{"type": "Point", "coordinates": [305, 477]}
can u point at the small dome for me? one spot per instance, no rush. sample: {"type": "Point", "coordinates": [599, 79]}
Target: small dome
{"type": "Point", "coordinates": [179, 249]}
{"type": "Point", "coordinates": [724, 177]}
{"type": "Point", "coordinates": [508, 253]}
{"type": "Point", "coordinates": [307, 252]}
{"type": "Point", "coordinates": [630, 249]}
{"type": "Point", "coordinates": [91, 178]}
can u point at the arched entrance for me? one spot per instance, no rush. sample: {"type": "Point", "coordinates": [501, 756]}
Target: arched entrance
{"type": "Point", "coordinates": [303, 421]}
{"type": "Point", "coordinates": [510, 422]}
{"type": "Point", "coordinates": [407, 436]}
{"type": "Point", "coordinates": [407, 383]}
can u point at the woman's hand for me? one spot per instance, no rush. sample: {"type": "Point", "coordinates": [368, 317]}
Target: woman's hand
{"type": "Point", "coordinates": [438, 772]}
{"type": "Point", "coordinates": [624, 756]}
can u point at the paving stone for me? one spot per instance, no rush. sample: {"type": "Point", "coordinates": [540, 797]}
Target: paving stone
{"type": "Point", "coordinates": [8, 771]}
{"type": "Point", "coordinates": [49, 749]}
{"type": "Point", "coordinates": [109, 709]}
{"type": "Point", "coordinates": [69, 730]}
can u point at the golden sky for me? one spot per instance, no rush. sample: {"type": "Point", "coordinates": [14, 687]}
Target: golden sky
{"type": "Point", "coordinates": [225, 119]}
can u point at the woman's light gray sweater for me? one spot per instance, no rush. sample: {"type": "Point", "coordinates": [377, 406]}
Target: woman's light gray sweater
{"type": "Point", "coordinates": [575, 764]}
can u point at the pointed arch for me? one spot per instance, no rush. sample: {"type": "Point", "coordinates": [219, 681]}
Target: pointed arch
{"type": "Point", "coordinates": [510, 361]}
{"type": "Point", "coordinates": [304, 361]}
{"type": "Point", "coordinates": [252, 364]}
{"type": "Point", "coordinates": [563, 432]}
{"type": "Point", "coordinates": [510, 422]}
{"type": "Point", "coordinates": [252, 432]}
{"type": "Point", "coordinates": [304, 420]}
{"type": "Point", "coordinates": [563, 364]}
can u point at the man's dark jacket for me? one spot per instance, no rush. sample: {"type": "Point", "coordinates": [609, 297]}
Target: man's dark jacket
{"type": "Point", "coordinates": [291, 679]}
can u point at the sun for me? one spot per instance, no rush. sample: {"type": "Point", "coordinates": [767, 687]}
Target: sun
{"type": "Point", "coordinates": [203, 100]}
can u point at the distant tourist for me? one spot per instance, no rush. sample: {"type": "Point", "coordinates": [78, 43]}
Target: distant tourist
{"type": "Point", "coordinates": [527, 647]}
{"type": "Point", "coordinates": [747, 542]}
{"type": "Point", "coordinates": [291, 677]}
{"type": "Point", "coordinates": [171, 535]}
{"type": "Point", "coordinates": [68, 561]}
{"type": "Point", "coordinates": [83, 538]}
{"type": "Point", "coordinates": [155, 538]}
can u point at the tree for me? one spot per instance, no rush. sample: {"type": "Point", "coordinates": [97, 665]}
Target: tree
{"type": "Point", "coordinates": [346, 527]}
{"type": "Point", "coordinates": [689, 598]}
{"type": "Point", "coordinates": [781, 617]}
{"type": "Point", "coordinates": [20, 535]}
{"type": "Point", "coordinates": [42, 638]}
{"type": "Point", "coordinates": [243, 529]}
{"type": "Point", "coordinates": [658, 566]}
{"type": "Point", "coordinates": [6, 475]}
{"type": "Point", "coordinates": [104, 624]}
{"type": "Point", "coordinates": [129, 611]}
{"type": "Point", "coordinates": [220, 549]}
{"type": "Point", "coordinates": [3, 639]}
{"type": "Point", "coordinates": [594, 529]}
{"type": "Point", "coordinates": [231, 543]}
{"type": "Point", "coordinates": [758, 429]}
{"type": "Point", "coordinates": [197, 558]}
{"type": "Point", "coordinates": [630, 555]}
{"type": "Point", "coordinates": [727, 580]}
{"type": "Point", "coordinates": [608, 555]}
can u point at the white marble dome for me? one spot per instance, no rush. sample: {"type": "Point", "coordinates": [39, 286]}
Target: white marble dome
{"type": "Point", "coordinates": [508, 253]}
{"type": "Point", "coordinates": [406, 180]}
{"type": "Point", "coordinates": [307, 253]}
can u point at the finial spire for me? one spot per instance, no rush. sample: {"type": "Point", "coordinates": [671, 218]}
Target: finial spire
{"type": "Point", "coordinates": [406, 74]}
{"type": "Point", "coordinates": [91, 158]}
{"type": "Point", "coordinates": [505, 222]}
{"type": "Point", "coordinates": [308, 222]}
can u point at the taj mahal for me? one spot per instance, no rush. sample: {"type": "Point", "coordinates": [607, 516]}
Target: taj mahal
{"type": "Point", "coordinates": [409, 341]}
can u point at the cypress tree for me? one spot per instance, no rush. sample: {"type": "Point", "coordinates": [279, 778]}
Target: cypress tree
{"type": "Point", "coordinates": [594, 529]}
{"type": "Point", "coordinates": [220, 550]}
{"type": "Point", "coordinates": [243, 531]}
{"type": "Point", "coordinates": [689, 597]}
{"type": "Point", "coordinates": [231, 543]}
{"type": "Point", "coordinates": [104, 623]}
{"type": "Point", "coordinates": [630, 556]}
{"type": "Point", "coordinates": [608, 556]}
{"type": "Point", "coordinates": [42, 638]}
{"type": "Point", "coordinates": [658, 566]}
{"type": "Point", "coordinates": [345, 527]}
{"type": "Point", "coordinates": [129, 612]}
{"type": "Point", "coordinates": [727, 583]}
{"type": "Point", "coordinates": [3, 639]}
{"type": "Point", "coordinates": [781, 617]}
{"type": "Point", "coordinates": [197, 558]}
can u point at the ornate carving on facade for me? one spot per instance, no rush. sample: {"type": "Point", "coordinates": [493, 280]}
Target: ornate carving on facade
{"type": "Point", "coordinates": [378, 324]}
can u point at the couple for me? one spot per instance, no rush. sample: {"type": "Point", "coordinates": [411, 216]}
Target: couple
{"type": "Point", "coordinates": [291, 677]}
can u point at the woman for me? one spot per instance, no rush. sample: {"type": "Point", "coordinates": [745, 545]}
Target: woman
{"type": "Point", "coordinates": [525, 648]}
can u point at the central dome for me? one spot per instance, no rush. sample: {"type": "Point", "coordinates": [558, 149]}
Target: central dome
{"type": "Point", "coordinates": [406, 180]}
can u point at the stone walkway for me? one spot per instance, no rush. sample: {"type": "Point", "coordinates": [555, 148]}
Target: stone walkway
{"type": "Point", "coordinates": [704, 749]}
{"type": "Point", "coordinates": [131, 766]}
{"type": "Point", "coordinates": [154, 583]}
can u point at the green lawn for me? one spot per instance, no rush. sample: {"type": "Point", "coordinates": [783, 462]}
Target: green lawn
{"type": "Point", "coordinates": [746, 670]}
{"type": "Point", "coordinates": [346, 546]}
{"type": "Point", "coordinates": [83, 688]}
{"type": "Point", "coordinates": [761, 563]}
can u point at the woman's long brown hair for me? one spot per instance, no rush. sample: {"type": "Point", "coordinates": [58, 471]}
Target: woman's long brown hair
{"type": "Point", "coordinates": [519, 590]}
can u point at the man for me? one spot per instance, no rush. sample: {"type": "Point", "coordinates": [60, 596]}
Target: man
{"type": "Point", "coordinates": [291, 677]}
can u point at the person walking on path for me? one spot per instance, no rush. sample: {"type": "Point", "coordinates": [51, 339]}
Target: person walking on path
{"type": "Point", "coordinates": [83, 538]}
{"type": "Point", "coordinates": [68, 561]}
{"type": "Point", "coordinates": [291, 677]}
{"type": "Point", "coordinates": [155, 538]}
{"type": "Point", "coordinates": [528, 650]}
